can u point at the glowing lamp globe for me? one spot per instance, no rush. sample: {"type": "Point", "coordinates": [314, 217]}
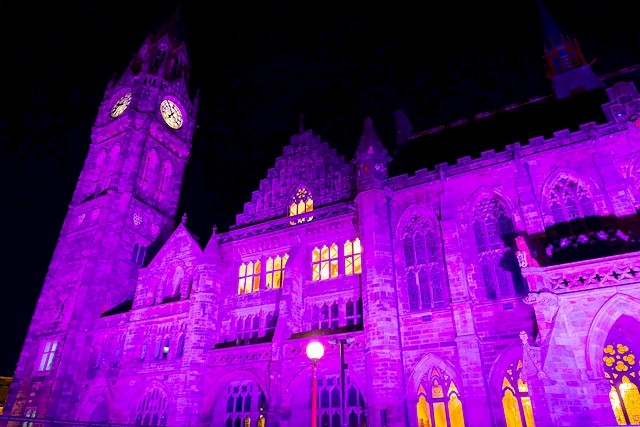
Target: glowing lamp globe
{"type": "Point", "coordinates": [315, 350]}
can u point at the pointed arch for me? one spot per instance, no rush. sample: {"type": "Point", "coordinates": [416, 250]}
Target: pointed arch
{"type": "Point", "coordinates": [297, 400]}
{"type": "Point", "coordinates": [149, 165]}
{"type": "Point", "coordinates": [166, 171]}
{"type": "Point", "coordinates": [425, 274]}
{"type": "Point", "coordinates": [95, 406]}
{"type": "Point", "coordinates": [567, 196]}
{"type": "Point", "coordinates": [509, 393]}
{"type": "Point", "coordinates": [300, 201]}
{"type": "Point", "coordinates": [226, 399]}
{"type": "Point", "coordinates": [173, 283]}
{"type": "Point", "coordinates": [617, 306]}
{"type": "Point", "coordinates": [493, 230]}
{"type": "Point", "coordinates": [155, 405]}
{"type": "Point", "coordinates": [434, 389]}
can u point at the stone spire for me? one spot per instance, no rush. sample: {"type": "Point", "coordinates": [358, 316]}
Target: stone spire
{"type": "Point", "coordinates": [164, 53]}
{"type": "Point", "coordinates": [371, 158]}
{"type": "Point", "coordinates": [566, 66]}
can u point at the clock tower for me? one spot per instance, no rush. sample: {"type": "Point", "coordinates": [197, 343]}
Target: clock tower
{"type": "Point", "coordinates": [126, 198]}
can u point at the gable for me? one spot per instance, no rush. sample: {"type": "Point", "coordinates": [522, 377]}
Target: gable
{"type": "Point", "coordinates": [180, 245]}
{"type": "Point", "coordinates": [308, 162]}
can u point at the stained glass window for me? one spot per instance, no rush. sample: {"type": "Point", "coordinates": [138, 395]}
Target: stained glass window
{"type": "Point", "coordinates": [495, 241]}
{"type": "Point", "coordinates": [274, 273]}
{"type": "Point", "coordinates": [621, 369]}
{"type": "Point", "coordinates": [302, 202]}
{"type": "Point", "coordinates": [352, 257]}
{"type": "Point", "coordinates": [249, 277]}
{"type": "Point", "coordinates": [439, 403]}
{"type": "Point", "coordinates": [324, 262]}
{"type": "Point", "coordinates": [516, 402]}
{"type": "Point", "coordinates": [424, 266]}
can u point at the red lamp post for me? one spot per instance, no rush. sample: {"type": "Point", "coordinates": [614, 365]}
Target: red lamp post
{"type": "Point", "coordinates": [315, 351]}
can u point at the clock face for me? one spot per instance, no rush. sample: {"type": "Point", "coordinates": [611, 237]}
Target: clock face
{"type": "Point", "coordinates": [171, 113]}
{"type": "Point", "coordinates": [121, 105]}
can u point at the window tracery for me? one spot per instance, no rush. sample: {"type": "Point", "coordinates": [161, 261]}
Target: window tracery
{"type": "Point", "coordinates": [246, 405]}
{"type": "Point", "coordinates": [329, 401]}
{"type": "Point", "coordinates": [516, 402]}
{"type": "Point", "coordinates": [495, 241]}
{"type": "Point", "coordinates": [249, 277]}
{"type": "Point", "coordinates": [352, 257]}
{"type": "Point", "coordinates": [152, 409]}
{"type": "Point", "coordinates": [324, 262]}
{"type": "Point", "coordinates": [424, 266]}
{"type": "Point", "coordinates": [439, 401]}
{"type": "Point", "coordinates": [620, 358]}
{"type": "Point", "coordinates": [275, 271]}
{"type": "Point", "coordinates": [570, 199]}
{"type": "Point", "coordinates": [301, 202]}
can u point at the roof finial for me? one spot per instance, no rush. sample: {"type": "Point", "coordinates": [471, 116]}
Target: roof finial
{"type": "Point", "coordinates": [184, 218]}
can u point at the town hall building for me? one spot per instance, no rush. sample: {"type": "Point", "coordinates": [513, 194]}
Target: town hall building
{"type": "Point", "coordinates": [502, 290]}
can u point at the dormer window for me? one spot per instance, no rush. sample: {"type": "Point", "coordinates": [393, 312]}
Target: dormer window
{"type": "Point", "coordinates": [302, 202]}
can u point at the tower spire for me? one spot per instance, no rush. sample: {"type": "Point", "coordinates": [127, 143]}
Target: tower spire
{"type": "Point", "coordinates": [566, 66]}
{"type": "Point", "coordinates": [165, 52]}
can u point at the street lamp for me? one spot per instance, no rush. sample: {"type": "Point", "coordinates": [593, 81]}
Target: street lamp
{"type": "Point", "coordinates": [343, 366]}
{"type": "Point", "coordinates": [315, 351]}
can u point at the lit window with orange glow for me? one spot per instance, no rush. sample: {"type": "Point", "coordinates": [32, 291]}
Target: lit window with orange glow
{"type": "Point", "coordinates": [439, 403]}
{"type": "Point", "coordinates": [352, 257]}
{"type": "Point", "coordinates": [274, 276]}
{"type": "Point", "coordinates": [621, 369]}
{"type": "Point", "coordinates": [324, 262]}
{"type": "Point", "coordinates": [249, 277]}
{"type": "Point", "coordinates": [516, 402]}
{"type": "Point", "coordinates": [302, 202]}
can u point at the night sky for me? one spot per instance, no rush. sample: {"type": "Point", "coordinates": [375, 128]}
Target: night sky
{"type": "Point", "coordinates": [258, 67]}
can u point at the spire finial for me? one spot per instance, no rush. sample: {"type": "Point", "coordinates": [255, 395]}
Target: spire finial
{"type": "Point", "coordinates": [184, 218]}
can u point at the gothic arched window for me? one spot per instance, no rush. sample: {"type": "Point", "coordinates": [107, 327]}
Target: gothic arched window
{"type": "Point", "coordinates": [439, 402]}
{"type": "Point", "coordinates": [352, 257]}
{"type": "Point", "coordinates": [424, 266]}
{"type": "Point", "coordinates": [329, 401]}
{"type": "Point", "coordinates": [274, 276]}
{"type": "Point", "coordinates": [301, 202]}
{"type": "Point", "coordinates": [166, 170]}
{"type": "Point", "coordinates": [324, 262]}
{"type": "Point", "coordinates": [246, 405]}
{"type": "Point", "coordinates": [620, 357]}
{"type": "Point", "coordinates": [495, 241]}
{"type": "Point", "coordinates": [249, 277]}
{"type": "Point", "coordinates": [149, 164]}
{"type": "Point", "coordinates": [180, 347]}
{"type": "Point", "coordinates": [570, 199]}
{"type": "Point", "coordinates": [172, 284]}
{"type": "Point", "coordinates": [516, 402]}
{"type": "Point", "coordinates": [152, 409]}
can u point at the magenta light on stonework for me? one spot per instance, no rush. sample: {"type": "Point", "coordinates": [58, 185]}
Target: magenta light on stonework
{"type": "Point", "coordinates": [502, 290]}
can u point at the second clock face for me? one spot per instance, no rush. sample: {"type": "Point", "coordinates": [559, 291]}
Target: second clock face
{"type": "Point", "coordinates": [121, 105]}
{"type": "Point", "coordinates": [171, 113]}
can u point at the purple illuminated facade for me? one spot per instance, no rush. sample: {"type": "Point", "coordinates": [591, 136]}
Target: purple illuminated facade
{"type": "Point", "coordinates": [501, 290]}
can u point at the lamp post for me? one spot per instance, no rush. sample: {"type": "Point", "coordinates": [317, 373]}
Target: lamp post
{"type": "Point", "coordinates": [315, 351]}
{"type": "Point", "coordinates": [341, 342]}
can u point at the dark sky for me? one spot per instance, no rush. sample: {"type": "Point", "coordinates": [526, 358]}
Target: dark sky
{"type": "Point", "coordinates": [258, 66]}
